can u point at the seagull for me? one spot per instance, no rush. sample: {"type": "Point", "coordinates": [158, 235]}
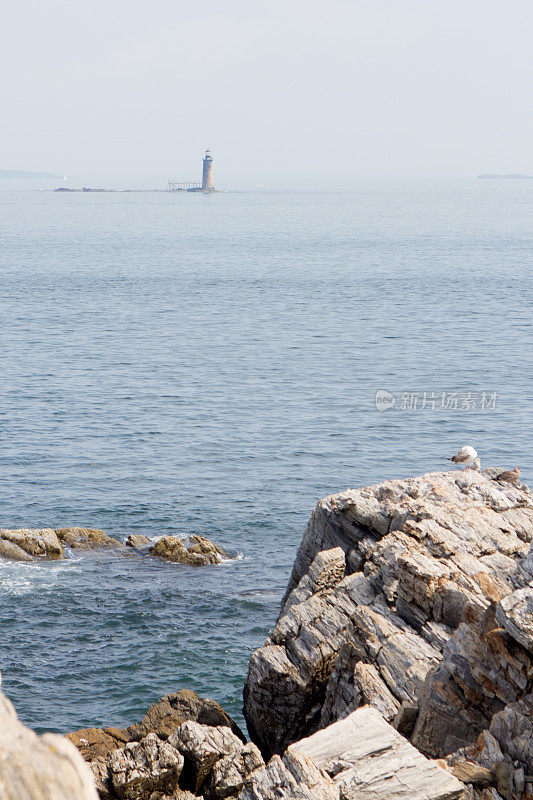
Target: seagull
{"type": "Point", "coordinates": [466, 456]}
{"type": "Point", "coordinates": [511, 476]}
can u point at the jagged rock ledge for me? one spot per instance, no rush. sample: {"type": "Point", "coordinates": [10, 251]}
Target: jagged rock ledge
{"type": "Point", "coordinates": [400, 667]}
{"type": "Point", "coordinates": [415, 597]}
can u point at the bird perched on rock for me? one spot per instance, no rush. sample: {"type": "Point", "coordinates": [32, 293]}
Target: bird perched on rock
{"type": "Point", "coordinates": [466, 456]}
{"type": "Point", "coordinates": [511, 476]}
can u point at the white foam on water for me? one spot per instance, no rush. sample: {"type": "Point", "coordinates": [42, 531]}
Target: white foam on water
{"type": "Point", "coordinates": [21, 578]}
{"type": "Point", "coordinates": [231, 559]}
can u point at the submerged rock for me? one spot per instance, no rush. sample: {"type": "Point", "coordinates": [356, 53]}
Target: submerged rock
{"type": "Point", "coordinates": [33, 542]}
{"type": "Point", "coordinates": [413, 596]}
{"type": "Point", "coordinates": [199, 553]}
{"type": "Point", "coordinates": [86, 538]}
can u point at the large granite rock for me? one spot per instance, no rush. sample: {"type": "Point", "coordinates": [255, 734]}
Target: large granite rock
{"type": "Point", "coordinates": [24, 544]}
{"type": "Point", "coordinates": [413, 596]}
{"type": "Point", "coordinates": [35, 767]}
{"type": "Point", "coordinates": [198, 553]}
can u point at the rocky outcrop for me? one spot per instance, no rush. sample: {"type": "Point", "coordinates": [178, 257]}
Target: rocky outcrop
{"type": "Point", "coordinates": [25, 544]}
{"type": "Point", "coordinates": [198, 553]}
{"type": "Point", "coordinates": [406, 635]}
{"type": "Point", "coordinates": [165, 716]}
{"type": "Point", "coordinates": [413, 597]}
{"type": "Point", "coordinates": [35, 767]}
{"type": "Point", "coordinates": [162, 718]}
{"type": "Point", "coordinates": [86, 539]}
{"type": "Point", "coordinates": [195, 761]}
{"type": "Point", "coordinates": [358, 757]}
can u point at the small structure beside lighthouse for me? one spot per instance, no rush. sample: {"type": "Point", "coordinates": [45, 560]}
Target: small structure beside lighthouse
{"type": "Point", "coordinates": [208, 173]}
{"type": "Point", "coordinates": [208, 179]}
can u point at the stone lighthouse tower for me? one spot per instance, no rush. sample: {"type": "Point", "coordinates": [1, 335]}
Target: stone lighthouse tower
{"type": "Point", "coordinates": [208, 173]}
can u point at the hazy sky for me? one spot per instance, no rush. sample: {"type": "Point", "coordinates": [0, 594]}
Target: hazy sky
{"type": "Point", "coordinates": [283, 91]}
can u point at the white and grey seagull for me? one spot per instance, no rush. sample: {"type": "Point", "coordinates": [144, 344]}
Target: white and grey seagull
{"type": "Point", "coordinates": [466, 457]}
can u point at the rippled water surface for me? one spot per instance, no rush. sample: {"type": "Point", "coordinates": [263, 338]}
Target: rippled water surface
{"type": "Point", "coordinates": [208, 364]}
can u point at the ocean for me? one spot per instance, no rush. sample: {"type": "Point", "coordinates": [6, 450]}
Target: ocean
{"type": "Point", "coordinates": [188, 363]}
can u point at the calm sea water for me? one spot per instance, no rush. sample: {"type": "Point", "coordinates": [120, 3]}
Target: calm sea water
{"type": "Point", "coordinates": [208, 364]}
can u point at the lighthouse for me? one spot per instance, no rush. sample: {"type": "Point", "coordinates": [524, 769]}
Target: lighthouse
{"type": "Point", "coordinates": [208, 174]}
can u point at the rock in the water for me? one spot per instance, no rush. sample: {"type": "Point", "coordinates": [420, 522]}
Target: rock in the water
{"type": "Point", "coordinates": [13, 551]}
{"type": "Point", "coordinates": [199, 553]}
{"type": "Point", "coordinates": [406, 617]}
{"type": "Point", "coordinates": [86, 538]}
{"type": "Point", "coordinates": [141, 768]}
{"type": "Point", "coordinates": [40, 542]}
{"type": "Point", "coordinates": [138, 541]}
{"type": "Point", "coordinates": [35, 767]}
{"type": "Point", "coordinates": [369, 760]}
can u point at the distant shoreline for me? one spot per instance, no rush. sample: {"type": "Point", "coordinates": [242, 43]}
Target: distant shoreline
{"type": "Point", "coordinates": [508, 176]}
{"type": "Point", "coordinates": [21, 173]}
